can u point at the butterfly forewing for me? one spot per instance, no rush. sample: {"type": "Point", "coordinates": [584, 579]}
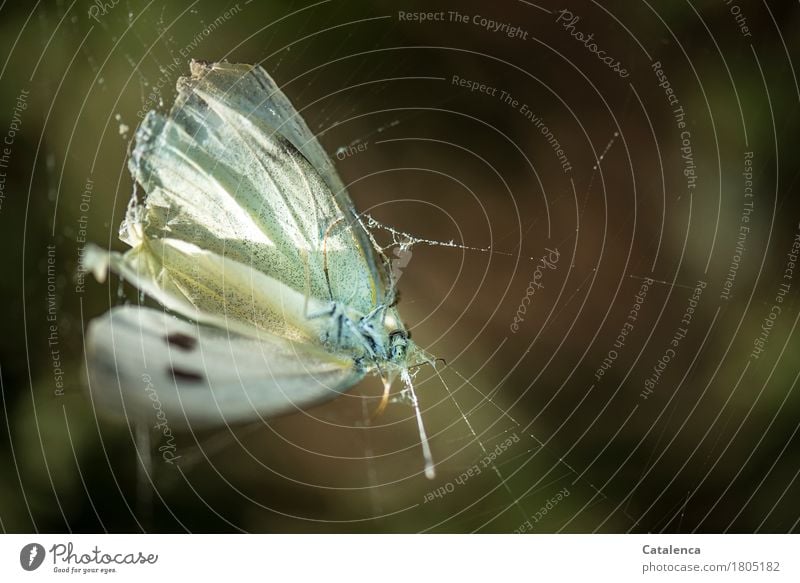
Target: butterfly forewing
{"type": "Point", "coordinates": [144, 360]}
{"type": "Point", "coordinates": [223, 179]}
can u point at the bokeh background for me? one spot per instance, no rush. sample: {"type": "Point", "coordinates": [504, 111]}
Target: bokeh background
{"type": "Point", "coordinates": [705, 442]}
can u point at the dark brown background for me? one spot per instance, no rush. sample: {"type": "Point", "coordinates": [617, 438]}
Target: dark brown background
{"type": "Point", "coordinates": [713, 449]}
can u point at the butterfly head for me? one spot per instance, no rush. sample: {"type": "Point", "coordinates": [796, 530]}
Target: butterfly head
{"type": "Point", "coordinates": [399, 341]}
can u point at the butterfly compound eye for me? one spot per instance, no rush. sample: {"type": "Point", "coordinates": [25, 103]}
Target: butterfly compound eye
{"type": "Point", "coordinates": [398, 344]}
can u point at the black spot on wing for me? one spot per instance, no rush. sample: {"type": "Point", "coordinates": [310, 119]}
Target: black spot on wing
{"type": "Point", "coordinates": [184, 375]}
{"type": "Point", "coordinates": [181, 340]}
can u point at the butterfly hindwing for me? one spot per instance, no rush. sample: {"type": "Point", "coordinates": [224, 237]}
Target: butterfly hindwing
{"type": "Point", "coordinates": [143, 360]}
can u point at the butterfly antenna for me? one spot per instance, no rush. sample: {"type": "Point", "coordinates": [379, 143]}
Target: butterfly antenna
{"type": "Point", "coordinates": [430, 470]}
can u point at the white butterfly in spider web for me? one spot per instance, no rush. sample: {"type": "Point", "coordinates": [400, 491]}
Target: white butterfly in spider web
{"type": "Point", "coordinates": [247, 234]}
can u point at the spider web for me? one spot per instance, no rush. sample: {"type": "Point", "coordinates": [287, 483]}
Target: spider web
{"type": "Point", "coordinates": [579, 246]}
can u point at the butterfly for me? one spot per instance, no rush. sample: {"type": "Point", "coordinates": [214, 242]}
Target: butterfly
{"type": "Point", "coordinates": [275, 296]}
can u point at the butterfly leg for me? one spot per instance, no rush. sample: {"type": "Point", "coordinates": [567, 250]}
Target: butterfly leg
{"type": "Point", "coordinates": [328, 312]}
{"type": "Point", "coordinates": [343, 331]}
{"type": "Point", "coordinates": [372, 315]}
{"type": "Point", "coordinates": [387, 387]}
